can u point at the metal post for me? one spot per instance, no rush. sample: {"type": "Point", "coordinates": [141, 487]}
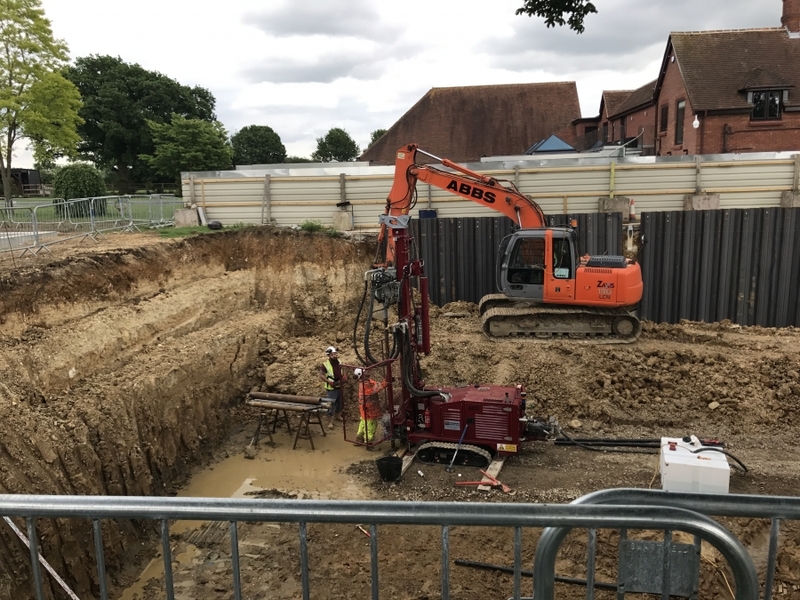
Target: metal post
{"type": "Point", "coordinates": [698, 185]}
{"type": "Point", "coordinates": [304, 561]}
{"type": "Point", "coordinates": [237, 579]}
{"type": "Point", "coordinates": [445, 562]}
{"type": "Point", "coordinates": [772, 558]}
{"type": "Point", "coordinates": [266, 202]}
{"type": "Point", "coordinates": [100, 557]}
{"type": "Point", "coordinates": [517, 562]}
{"type": "Point", "coordinates": [167, 552]}
{"type": "Point", "coordinates": [34, 548]}
{"type": "Point", "coordinates": [373, 551]}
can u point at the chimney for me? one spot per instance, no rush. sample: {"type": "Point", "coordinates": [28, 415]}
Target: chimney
{"type": "Point", "coordinates": [791, 15]}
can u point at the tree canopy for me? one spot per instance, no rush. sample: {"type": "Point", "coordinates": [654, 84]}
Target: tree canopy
{"type": "Point", "coordinates": [188, 145]}
{"type": "Point", "coordinates": [36, 102]}
{"type": "Point", "coordinates": [376, 135]}
{"type": "Point", "coordinates": [555, 11]}
{"type": "Point", "coordinates": [257, 145]}
{"type": "Point", "coordinates": [336, 145]}
{"type": "Point", "coordinates": [119, 99]}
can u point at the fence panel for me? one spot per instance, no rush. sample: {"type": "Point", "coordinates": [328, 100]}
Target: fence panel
{"type": "Point", "coordinates": [17, 229]}
{"type": "Point", "coordinates": [740, 265]}
{"type": "Point", "coordinates": [461, 254]}
{"type": "Point", "coordinates": [439, 514]}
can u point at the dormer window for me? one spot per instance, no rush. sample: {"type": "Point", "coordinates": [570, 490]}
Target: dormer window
{"type": "Point", "coordinates": [766, 105]}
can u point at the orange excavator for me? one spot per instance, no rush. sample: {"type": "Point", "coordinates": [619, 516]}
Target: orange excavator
{"type": "Point", "coordinates": [546, 289]}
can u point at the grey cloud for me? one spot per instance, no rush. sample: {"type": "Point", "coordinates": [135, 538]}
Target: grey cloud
{"type": "Point", "coordinates": [624, 33]}
{"type": "Point", "coordinates": [324, 70]}
{"type": "Point", "coordinates": [337, 18]}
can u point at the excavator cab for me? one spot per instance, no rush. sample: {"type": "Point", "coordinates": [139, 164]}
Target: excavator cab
{"type": "Point", "coordinates": [531, 261]}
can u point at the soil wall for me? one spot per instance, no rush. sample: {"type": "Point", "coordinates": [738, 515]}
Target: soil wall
{"type": "Point", "coordinates": [118, 369]}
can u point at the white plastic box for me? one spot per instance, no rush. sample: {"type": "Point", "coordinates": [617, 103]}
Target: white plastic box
{"type": "Point", "coordinates": [683, 470]}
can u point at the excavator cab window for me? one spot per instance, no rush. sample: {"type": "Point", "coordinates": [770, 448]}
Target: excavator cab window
{"type": "Point", "coordinates": [563, 262]}
{"type": "Point", "coordinates": [527, 262]}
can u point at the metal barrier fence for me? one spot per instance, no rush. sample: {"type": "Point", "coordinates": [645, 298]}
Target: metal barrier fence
{"type": "Point", "coordinates": [774, 508]}
{"type": "Point", "coordinates": [16, 230]}
{"type": "Point", "coordinates": [34, 227]}
{"type": "Point", "coordinates": [442, 514]}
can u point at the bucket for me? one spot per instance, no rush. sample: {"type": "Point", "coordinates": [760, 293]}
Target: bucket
{"type": "Point", "coordinates": [390, 467]}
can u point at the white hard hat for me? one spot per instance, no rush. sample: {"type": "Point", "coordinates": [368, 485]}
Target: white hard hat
{"type": "Point", "coordinates": [330, 350]}
{"type": "Point", "coordinates": [358, 373]}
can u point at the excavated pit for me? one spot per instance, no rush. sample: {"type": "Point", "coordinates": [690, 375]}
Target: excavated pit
{"type": "Point", "coordinates": [124, 370]}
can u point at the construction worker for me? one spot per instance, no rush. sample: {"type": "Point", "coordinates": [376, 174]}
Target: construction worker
{"type": "Point", "coordinates": [330, 372]}
{"type": "Point", "coordinates": [369, 406]}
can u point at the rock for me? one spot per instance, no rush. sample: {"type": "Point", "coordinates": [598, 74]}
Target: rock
{"type": "Point", "coordinates": [575, 424]}
{"type": "Point", "coordinates": [713, 405]}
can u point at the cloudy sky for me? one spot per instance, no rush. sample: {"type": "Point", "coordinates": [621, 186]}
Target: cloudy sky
{"type": "Point", "coordinates": [304, 66]}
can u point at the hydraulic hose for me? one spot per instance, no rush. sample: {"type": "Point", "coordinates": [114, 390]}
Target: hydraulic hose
{"type": "Point", "coordinates": [358, 318]}
{"type": "Point", "coordinates": [408, 366]}
{"type": "Point", "coordinates": [725, 452]}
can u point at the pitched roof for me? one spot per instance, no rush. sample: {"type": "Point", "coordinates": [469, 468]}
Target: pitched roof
{"type": "Point", "coordinates": [466, 123]}
{"type": "Point", "coordinates": [550, 144]}
{"type": "Point", "coordinates": [611, 100]}
{"type": "Point", "coordinates": [718, 66]}
{"type": "Point", "coordinates": [642, 96]}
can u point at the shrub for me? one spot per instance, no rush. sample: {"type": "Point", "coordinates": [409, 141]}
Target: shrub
{"type": "Point", "coordinates": [316, 226]}
{"type": "Point", "coordinates": [79, 181]}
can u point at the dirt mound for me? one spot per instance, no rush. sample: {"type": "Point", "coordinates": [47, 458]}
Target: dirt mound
{"type": "Point", "coordinates": [123, 370]}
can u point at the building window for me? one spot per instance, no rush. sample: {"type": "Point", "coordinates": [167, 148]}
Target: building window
{"type": "Point", "coordinates": [605, 132]}
{"type": "Point", "coordinates": [664, 117]}
{"type": "Point", "coordinates": [623, 130]}
{"type": "Point", "coordinates": [766, 105]}
{"type": "Point", "coordinates": [679, 110]}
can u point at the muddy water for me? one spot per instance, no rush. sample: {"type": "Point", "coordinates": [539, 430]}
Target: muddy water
{"type": "Point", "coordinates": [303, 472]}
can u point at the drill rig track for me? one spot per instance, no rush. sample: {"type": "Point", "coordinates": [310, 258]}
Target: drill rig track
{"type": "Point", "coordinates": [442, 453]}
{"type": "Point", "coordinates": [502, 317]}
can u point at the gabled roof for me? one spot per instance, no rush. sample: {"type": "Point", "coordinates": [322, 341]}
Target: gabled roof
{"type": "Point", "coordinates": [466, 123]}
{"type": "Point", "coordinates": [717, 66]}
{"type": "Point", "coordinates": [611, 100]}
{"type": "Point", "coordinates": [637, 99]}
{"type": "Point", "coordinates": [550, 144]}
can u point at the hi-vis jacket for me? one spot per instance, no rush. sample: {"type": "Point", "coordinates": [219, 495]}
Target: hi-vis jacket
{"type": "Point", "coordinates": [368, 402]}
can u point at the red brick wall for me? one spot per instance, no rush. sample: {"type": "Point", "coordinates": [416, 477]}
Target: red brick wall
{"type": "Point", "coordinates": [744, 135]}
{"type": "Point", "coordinates": [673, 90]}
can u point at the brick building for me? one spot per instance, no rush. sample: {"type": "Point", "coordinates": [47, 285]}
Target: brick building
{"type": "Point", "coordinates": [467, 122]}
{"type": "Point", "coordinates": [716, 92]}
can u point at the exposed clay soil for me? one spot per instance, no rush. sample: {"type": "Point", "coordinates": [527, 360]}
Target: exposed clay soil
{"type": "Point", "coordinates": [124, 367]}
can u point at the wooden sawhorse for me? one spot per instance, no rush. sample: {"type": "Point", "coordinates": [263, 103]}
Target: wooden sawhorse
{"type": "Point", "coordinates": [310, 414]}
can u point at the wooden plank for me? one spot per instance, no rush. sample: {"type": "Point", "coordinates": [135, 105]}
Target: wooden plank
{"type": "Point", "coordinates": [494, 471]}
{"type": "Point", "coordinates": [292, 406]}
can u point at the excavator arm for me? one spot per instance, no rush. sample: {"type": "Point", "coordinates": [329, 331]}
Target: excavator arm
{"type": "Point", "coordinates": [482, 189]}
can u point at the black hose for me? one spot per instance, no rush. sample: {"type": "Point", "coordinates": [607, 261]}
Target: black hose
{"type": "Point", "coordinates": [355, 326]}
{"type": "Point", "coordinates": [725, 452]}
{"type": "Point", "coordinates": [599, 449]}
{"type": "Point", "coordinates": [408, 366]}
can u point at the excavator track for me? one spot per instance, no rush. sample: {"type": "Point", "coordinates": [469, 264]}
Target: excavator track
{"type": "Point", "coordinates": [502, 317]}
{"type": "Point", "coordinates": [442, 453]}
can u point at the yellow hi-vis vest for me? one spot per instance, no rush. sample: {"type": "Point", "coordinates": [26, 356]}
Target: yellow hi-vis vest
{"type": "Point", "coordinates": [329, 368]}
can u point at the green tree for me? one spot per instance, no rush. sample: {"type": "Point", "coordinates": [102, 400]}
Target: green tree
{"type": "Point", "coordinates": [119, 99]}
{"type": "Point", "coordinates": [298, 159]}
{"type": "Point", "coordinates": [188, 145]}
{"type": "Point", "coordinates": [36, 102]}
{"type": "Point", "coordinates": [257, 145]}
{"type": "Point", "coordinates": [554, 11]}
{"type": "Point", "coordinates": [337, 145]}
{"type": "Point", "coordinates": [375, 136]}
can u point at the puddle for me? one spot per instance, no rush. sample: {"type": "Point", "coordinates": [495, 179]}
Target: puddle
{"type": "Point", "coordinates": [303, 472]}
